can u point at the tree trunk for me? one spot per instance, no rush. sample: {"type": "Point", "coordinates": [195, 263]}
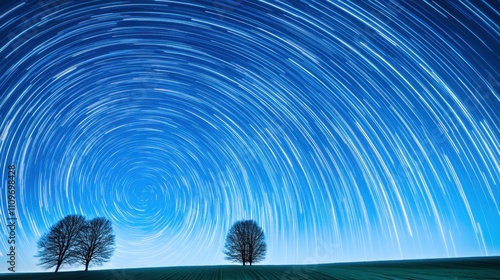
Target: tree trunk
{"type": "Point", "coordinates": [58, 265]}
{"type": "Point", "coordinates": [86, 266]}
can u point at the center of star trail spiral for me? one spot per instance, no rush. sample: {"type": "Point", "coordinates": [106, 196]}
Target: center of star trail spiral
{"type": "Point", "coordinates": [349, 131]}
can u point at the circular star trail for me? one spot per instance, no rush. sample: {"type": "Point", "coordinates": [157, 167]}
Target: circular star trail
{"type": "Point", "coordinates": [349, 131]}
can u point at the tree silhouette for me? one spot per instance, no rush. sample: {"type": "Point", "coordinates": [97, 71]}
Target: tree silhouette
{"type": "Point", "coordinates": [245, 243]}
{"type": "Point", "coordinates": [95, 243]}
{"type": "Point", "coordinates": [57, 246]}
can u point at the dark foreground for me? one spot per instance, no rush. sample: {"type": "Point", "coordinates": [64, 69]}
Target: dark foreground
{"type": "Point", "coordinates": [463, 268]}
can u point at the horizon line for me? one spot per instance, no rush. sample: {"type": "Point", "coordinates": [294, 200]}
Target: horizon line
{"type": "Point", "coordinates": [238, 265]}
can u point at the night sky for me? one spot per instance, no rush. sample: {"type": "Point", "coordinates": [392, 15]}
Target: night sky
{"type": "Point", "coordinates": [350, 131]}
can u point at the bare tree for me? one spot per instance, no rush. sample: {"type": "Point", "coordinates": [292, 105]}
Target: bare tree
{"type": "Point", "coordinates": [245, 243]}
{"type": "Point", "coordinates": [95, 243]}
{"type": "Point", "coordinates": [56, 246]}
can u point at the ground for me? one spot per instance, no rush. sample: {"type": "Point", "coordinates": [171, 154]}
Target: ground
{"type": "Point", "coordinates": [463, 268]}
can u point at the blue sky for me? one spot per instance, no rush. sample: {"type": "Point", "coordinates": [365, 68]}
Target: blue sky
{"type": "Point", "coordinates": [349, 131]}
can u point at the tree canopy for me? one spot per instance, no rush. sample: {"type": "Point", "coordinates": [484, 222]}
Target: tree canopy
{"type": "Point", "coordinates": [57, 246]}
{"type": "Point", "coordinates": [245, 243]}
{"type": "Point", "coordinates": [74, 240]}
{"type": "Point", "coordinates": [95, 243]}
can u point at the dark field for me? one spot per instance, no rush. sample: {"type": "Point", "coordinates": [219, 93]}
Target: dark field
{"type": "Point", "coordinates": [463, 268]}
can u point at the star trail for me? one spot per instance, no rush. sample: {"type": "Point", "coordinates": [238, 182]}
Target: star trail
{"type": "Point", "coordinates": [349, 130]}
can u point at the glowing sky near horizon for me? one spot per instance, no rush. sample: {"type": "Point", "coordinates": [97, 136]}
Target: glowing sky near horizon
{"type": "Point", "coordinates": [349, 131]}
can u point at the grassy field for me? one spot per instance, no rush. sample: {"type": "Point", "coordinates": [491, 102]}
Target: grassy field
{"type": "Point", "coordinates": [463, 268]}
